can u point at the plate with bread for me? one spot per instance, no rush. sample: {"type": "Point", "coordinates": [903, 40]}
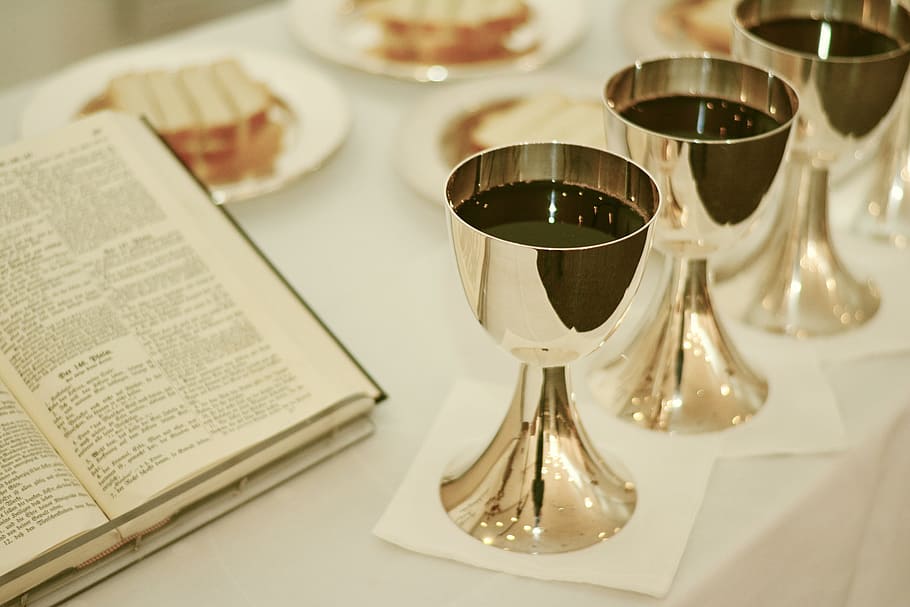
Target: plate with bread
{"type": "Point", "coordinates": [449, 124]}
{"type": "Point", "coordinates": [655, 27]}
{"type": "Point", "coordinates": [437, 40]}
{"type": "Point", "coordinates": [246, 122]}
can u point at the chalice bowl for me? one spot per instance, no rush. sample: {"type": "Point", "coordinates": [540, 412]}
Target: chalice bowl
{"type": "Point", "coordinates": [713, 132]}
{"type": "Point", "coordinates": [847, 60]}
{"type": "Point", "coordinates": [550, 241]}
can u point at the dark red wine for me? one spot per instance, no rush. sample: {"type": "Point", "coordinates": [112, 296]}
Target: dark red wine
{"type": "Point", "coordinates": [550, 214]}
{"type": "Point", "coordinates": [825, 38]}
{"type": "Point", "coordinates": [693, 117]}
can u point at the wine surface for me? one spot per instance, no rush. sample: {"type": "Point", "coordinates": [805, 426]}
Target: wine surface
{"type": "Point", "coordinates": [824, 38]}
{"type": "Point", "coordinates": [550, 214]}
{"type": "Point", "coordinates": [693, 117]}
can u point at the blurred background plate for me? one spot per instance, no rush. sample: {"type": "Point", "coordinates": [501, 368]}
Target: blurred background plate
{"type": "Point", "coordinates": [310, 108]}
{"type": "Point", "coordinates": [337, 30]}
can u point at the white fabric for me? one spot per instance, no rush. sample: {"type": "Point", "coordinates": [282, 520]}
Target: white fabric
{"type": "Point", "coordinates": [373, 260]}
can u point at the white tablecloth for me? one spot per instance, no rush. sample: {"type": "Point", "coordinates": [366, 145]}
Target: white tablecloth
{"type": "Point", "coordinates": [373, 260]}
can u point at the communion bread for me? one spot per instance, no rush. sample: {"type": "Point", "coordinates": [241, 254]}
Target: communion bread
{"type": "Point", "coordinates": [541, 117]}
{"type": "Point", "coordinates": [209, 114]}
{"type": "Point", "coordinates": [447, 30]}
{"type": "Point", "coordinates": [707, 22]}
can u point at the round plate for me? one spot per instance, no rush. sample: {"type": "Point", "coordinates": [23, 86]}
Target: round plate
{"type": "Point", "coordinates": [426, 157]}
{"type": "Point", "coordinates": [311, 109]}
{"type": "Point", "coordinates": [332, 29]}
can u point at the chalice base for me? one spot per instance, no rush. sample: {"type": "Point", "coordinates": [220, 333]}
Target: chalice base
{"type": "Point", "coordinates": [539, 487]}
{"type": "Point", "coordinates": [814, 296]}
{"type": "Point", "coordinates": [682, 374]}
{"type": "Point", "coordinates": [803, 288]}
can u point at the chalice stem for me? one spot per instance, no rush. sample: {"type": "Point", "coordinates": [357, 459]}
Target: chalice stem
{"type": "Point", "coordinates": [538, 471]}
{"type": "Point", "coordinates": [687, 376]}
{"type": "Point", "coordinates": [804, 286]}
{"type": "Point", "coordinates": [541, 398]}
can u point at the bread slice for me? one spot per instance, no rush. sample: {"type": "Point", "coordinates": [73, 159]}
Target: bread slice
{"type": "Point", "coordinates": [545, 116]}
{"type": "Point", "coordinates": [250, 99]}
{"type": "Point", "coordinates": [447, 13]}
{"type": "Point", "coordinates": [210, 114]}
{"type": "Point", "coordinates": [129, 92]}
{"type": "Point", "coordinates": [707, 23]}
{"type": "Point", "coordinates": [178, 124]}
{"type": "Point", "coordinates": [448, 31]}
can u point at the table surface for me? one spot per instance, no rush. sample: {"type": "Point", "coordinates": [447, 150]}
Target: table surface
{"type": "Point", "coordinates": [372, 258]}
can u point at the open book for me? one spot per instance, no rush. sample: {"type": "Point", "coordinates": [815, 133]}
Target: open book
{"type": "Point", "coordinates": [149, 356]}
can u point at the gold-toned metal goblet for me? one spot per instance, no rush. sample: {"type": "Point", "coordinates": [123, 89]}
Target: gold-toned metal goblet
{"type": "Point", "coordinates": [713, 132]}
{"type": "Point", "coordinates": [550, 241]}
{"type": "Point", "coordinates": [847, 60]}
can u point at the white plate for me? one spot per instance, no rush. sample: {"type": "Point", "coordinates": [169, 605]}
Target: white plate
{"type": "Point", "coordinates": [330, 29]}
{"type": "Point", "coordinates": [422, 159]}
{"type": "Point", "coordinates": [317, 116]}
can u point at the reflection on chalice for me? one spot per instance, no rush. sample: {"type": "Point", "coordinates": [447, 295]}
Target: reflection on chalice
{"type": "Point", "coordinates": [550, 241]}
{"type": "Point", "coordinates": [886, 214]}
{"type": "Point", "coordinates": [713, 133]}
{"type": "Point", "coordinates": [847, 59]}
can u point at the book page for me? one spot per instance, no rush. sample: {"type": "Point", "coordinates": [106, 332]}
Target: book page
{"type": "Point", "coordinates": [139, 352]}
{"type": "Point", "coordinates": [42, 502]}
{"type": "Point", "coordinates": [283, 305]}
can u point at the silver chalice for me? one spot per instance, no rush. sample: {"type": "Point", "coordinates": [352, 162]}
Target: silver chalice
{"type": "Point", "coordinates": [550, 241]}
{"type": "Point", "coordinates": [885, 216]}
{"type": "Point", "coordinates": [847, 60]}
{"type": "Point", "coordinates": [713, 132]}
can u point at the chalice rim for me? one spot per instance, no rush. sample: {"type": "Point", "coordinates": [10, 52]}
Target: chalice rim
{"type": "Point", "coordinates": [903, 45]}
{"type": "Point", "coordinates": [648, 221]}
{"type": "Point", "coordinates": [792, 94]}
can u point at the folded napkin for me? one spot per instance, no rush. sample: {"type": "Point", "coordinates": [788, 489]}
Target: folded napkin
{"type": "Point", "coordinates": [670, 477]}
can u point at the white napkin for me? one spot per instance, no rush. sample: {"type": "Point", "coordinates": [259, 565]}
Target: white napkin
{"type": "Point", "coordinates": [670, 477]}
{"type": "Point", "coordinates": [801, 413]}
